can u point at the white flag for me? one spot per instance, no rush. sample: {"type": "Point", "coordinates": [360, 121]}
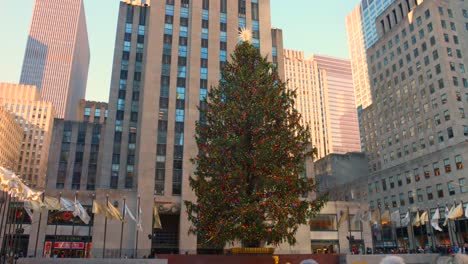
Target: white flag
{"type": "Point", "coordinates": [405, 221]}
{"type": "Point", "coordinates": [27, 208]}
{"type": "Point", "coordinates": [435, 220]}
{"type": "Point", "coordinates": [139, 225]}
{"type": "Point", "coordinates": [395, 216]}
{"type": "Point", "coordinates": [466, 211]}
{"type": "Point", "coordinates": [81, 212]}
{"type": "Point", "coordinates": [447, 214]}
{"type": "Point", "coordinates": [66, 205]}
{"type": "Point", "coordinates": [129, 213]}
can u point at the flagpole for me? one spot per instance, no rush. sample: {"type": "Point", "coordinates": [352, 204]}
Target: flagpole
{"type": "Point", "coordinates": [349, 231]}
{"type": "Point", "coordinates": [55, 232]}
{"type": "Point", "coordinates": [401, 229]}
{"type": "Point", "coordinates": [431, 228]}
{"type": "Point", "coordinates": [105, 228]}
{"type": "Point", "coordinates": [38, 227]}
{"type": "Point", "coordinates": [456, 224]}
{"type": "Point", "coordinates": [381, 229]}
{"type": "Point", "coordinates": [18, 239]}
{"type": "Point", "coordinates": [73, 218]}
{"type": "Point", "coordinates": [3, 208]}
{"type": "Point", "coordinates": [361, 226]}
{"type": "Point", "coordinates": [138, 228]}
{"type": "Point", "coordinates": [93, 196]}
{"type": "Point", "coordinates": [412, 230]}
{"type": "Point", "coordinates": [5, 238]}
{"type": "Point", "coordinates": [122, 227]}
{"type": "Point", "coordinates": [6, 209]}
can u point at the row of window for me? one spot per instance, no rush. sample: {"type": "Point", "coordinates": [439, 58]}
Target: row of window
{"type": "Point", "coordinates": [418, 195]}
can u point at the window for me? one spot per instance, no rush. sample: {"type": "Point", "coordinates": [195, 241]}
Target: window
{"type": "Point", "coordinates": [447, 115]}
{"type": "Point", "coordinates": [402, 199]}
{"type": "Point", "coordinates": [447, 165]}
{"type": "Point", "coordinates": [450, 132]}
{"type": "Point", "coordinates": [436, 169]}
{"type": "Point", "coordinates": [419, 195]}
{"type": "Point", "coordinates": [369, 188]}
{"type": "Point", "coordinates": [416, 175]}
{"type": "Point", "coordinates": [443, 98]}
{"type": "Point", "coordinates": [408, 177]}
{"type": "Point", "coordinates": [437, 119]}
{"type": "Point", "coordinates": [324, 223]}
{"type": "Point", "coordinates": [463, 186]}
{"type": "Point", "coordinates": [430, 196]}
{"type": "Point", "coordinates": [440, 137]}
{"type": "Point", "coordinates": [410, 197]}
{"type": "Point", "coordinates": [399, 181]}
{"type": "Point", "coordinates": [392, 184]}
{"type": "Point", "coordinates": [440, 191]}
{"type": "Point", "coordinates": [451, 188]}
{"type": "Point", "coordinates": [459, 162]}
{"type": "Point", "coordinates": [394, 201]}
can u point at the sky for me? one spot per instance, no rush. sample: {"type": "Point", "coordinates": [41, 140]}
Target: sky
{"type": "Point", "coordinates": [313, 26]}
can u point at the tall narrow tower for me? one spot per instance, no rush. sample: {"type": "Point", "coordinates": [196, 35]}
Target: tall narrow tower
{"type": "Point", "coordinates": [57, 54]}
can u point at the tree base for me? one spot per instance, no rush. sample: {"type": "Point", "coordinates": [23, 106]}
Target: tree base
{"type": "Point", "coordinates": [251, 251]}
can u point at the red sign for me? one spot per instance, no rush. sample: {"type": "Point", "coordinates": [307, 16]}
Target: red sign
{"type": "Point", "coordinates": [47, 249]}
{"type": "Point", "coordinates": [69, 245]}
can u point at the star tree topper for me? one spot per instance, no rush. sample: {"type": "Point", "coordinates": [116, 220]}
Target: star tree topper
{"type": "Point", "coordinates": [245, 35]}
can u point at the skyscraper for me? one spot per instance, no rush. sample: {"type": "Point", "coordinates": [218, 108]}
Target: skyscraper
{"type": "Point", "coordinates": [167, 55]}
{"type": "Point", "coordinates": [325, 99]}
{"type": "Point", "coordinates": [415, 130]}
{"type": "Point", "coordinates": [57, 54]}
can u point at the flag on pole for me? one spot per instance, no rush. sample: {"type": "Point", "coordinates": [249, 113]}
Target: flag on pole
{"type": "Point", "coordinates": [51, 203]}
{"type": "Point", "coordinates": [417, 220]}
{"type": "Point", "coordinates": [356, 217]}
{"type": "Point", "coordinates": [81, 212]}
{"type": "Point", "coordinates": [66, 205]}
{"type": "Point", "coordinates": [424, 218]}
{"type": "Point", "coordinates": [157, 220]}
{"type": "Point", "coordinates": [139, 225]}
{"type": "Point", "coordinates": [457, 212]}
{"type": "Point", "coordinates": [375, 216]}
{"type": "Point", "coordinates": [395, 216]}
{"type": "Point", "coordinates": [447, 212]}
{"type": "Point", "coordinates": [344, 217]}
{"type": "Point", "coordinates": [129, 213]}
{"type": "Point", "coordinates": [27, 208]}
{"type": "Point", "coordinates": [435, 221]}
{"type": "Point", "coordinates": [113, 212]}
{"type": "Point", "coordinates": [405, 221]}
{"type": "Point", "coordinates": [365, 216]}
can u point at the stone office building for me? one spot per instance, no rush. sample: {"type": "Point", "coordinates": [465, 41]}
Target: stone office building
{"type": "Point", "coordinates": [415, 130]}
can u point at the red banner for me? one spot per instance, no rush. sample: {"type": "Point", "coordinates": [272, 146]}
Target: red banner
{"type": "Point", "coordinates": [69, 245]}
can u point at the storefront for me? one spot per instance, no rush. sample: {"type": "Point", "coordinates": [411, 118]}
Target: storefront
{"type": "Point", "coordinates": [325, 246]}
{"type": "Point", "coordinates": [67, 247]}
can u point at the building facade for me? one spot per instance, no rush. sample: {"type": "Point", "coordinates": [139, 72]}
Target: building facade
{"type": "Point", "coordinates": [325, 99]}
{"type": "Point", "coordinates": [415, 131]}
{"type": "Point", "coordinates": [167, 54]}
{"type": "Point", "coordinates": [57, 54]}
{"type": "Point", "coordinates": [336, 170]}
{"type": "Point", "coordinates": [90, 111]}
{"type": "Point", "coordinates": [362, 33]}
{"type": "Point", "coordinates": [11, 136]}
{"type": "Point", "coordinates": [36, 118]}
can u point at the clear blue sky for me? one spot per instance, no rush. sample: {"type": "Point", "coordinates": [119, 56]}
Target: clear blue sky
{"type": "Point", "coordinates": [314, 26]}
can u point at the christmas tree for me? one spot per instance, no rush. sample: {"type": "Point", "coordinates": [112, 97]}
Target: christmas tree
{"type": "Point", "coordinates": [250, 178]}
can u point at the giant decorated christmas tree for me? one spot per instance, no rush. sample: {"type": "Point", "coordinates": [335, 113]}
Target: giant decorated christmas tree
{"type": "Point", "coordinates": [250, 171]}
